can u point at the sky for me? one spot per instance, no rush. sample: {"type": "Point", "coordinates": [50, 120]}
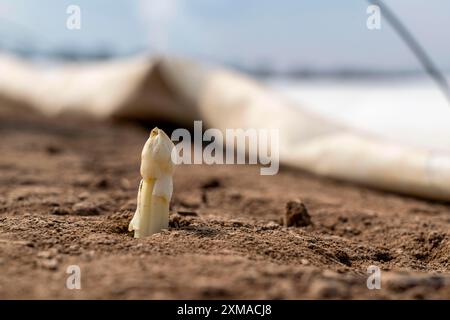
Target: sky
{"type": "Point", "coordinates": [315, 34]}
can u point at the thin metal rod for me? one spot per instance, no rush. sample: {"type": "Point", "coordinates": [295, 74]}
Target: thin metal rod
{"type": "Point", "coordinates": [415, 47]}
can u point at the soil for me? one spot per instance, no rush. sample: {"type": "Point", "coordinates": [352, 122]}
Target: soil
{"type": "Point", "coordinates": [68, 190]}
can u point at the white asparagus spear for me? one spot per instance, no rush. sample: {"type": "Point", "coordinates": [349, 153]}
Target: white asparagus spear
{"type": "Point", "coordinates": [155, 189]}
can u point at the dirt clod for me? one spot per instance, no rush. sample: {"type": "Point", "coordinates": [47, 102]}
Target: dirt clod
{"type": "Point", "coordinates": [60, 211]}
{"type": "Point", "coordinates": [102, 183]}
{"type": "Point", "coordinates": [85, 208]}
{"type": "Point", "coordinates": [177, 221]}
{"type": "Point", "coordinates": [211, 184]}
{"type": "Point", "coordinates": [187, 213]}
{"type": "Point", "coordinates": [53, 149]}
{"type": "Point", "coordinates": [296, 214]}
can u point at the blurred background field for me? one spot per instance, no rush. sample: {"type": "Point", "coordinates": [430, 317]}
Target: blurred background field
{"type": "Point", "coordinates": [318, 53]}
